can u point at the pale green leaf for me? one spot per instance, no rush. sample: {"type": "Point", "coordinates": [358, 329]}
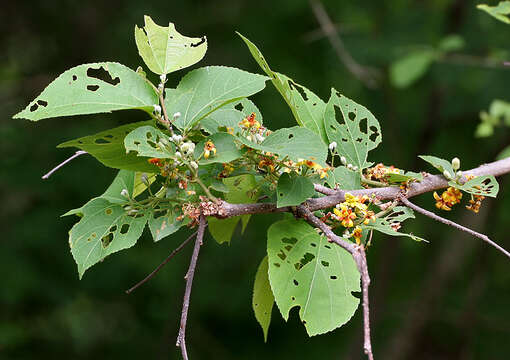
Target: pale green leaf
{"type": "Point", "coordinates": [306, 270]}
{"type": "Point", "coordinates": [353, 127]}
{"type": "Point", "coordinates": [293, 190]}
{"type": "Point", "coordinates": [451, 43]}
{"type": "Point", "coordinates": [486, 185]}
{"type": "Point", "coordinates": [164, 222]}
{"type": "Point", "coordinates": [226, 149]}
{"type": "Point", "coordinates": [307, 108]}
{"type": "Point", "coordinates": [92, 88]}
{"type": "Point", "coordinates": [164, 50]}
{"type": "Point", "coordinates": [404, 176]}
{"type": "Point", "coordinates": [229, 116]}
{"type": "Point", "coordinates": [207, 89]}
{"type": "Point", "coordinates": [263, 298]}
{"type": "Point", "coordinates": [440, 164]}
{"type": "Point", "coordinates": [500, 11]}
{"type": "Point", "coordinates": [395, 217]}
{"type": "Point", "coordinates": [108, 147]}
{"type": "Point", "coordinates": [150, 142]}
{"type": "Point", "coordinates": [405, 71]}
{"type": "Point", "coordinates": [345, 179]}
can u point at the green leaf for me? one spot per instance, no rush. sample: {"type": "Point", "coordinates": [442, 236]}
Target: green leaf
{"type": "Point", "coordinates": [293, 190]}
{"type": "Point", "coordinates": [164, 50]}
{"type": "Point", "coordinates": [451, 43]}
{"type": "Point", "coordinates": [405, 71]}
{"type": "Point", "coordinates": [263, 298]}
{"type": "Point", "coordinates": [108, 147]}
{"type": "Point", "coordinates": [440, 164]}
{"type": "Point", "coordinates": [105, 228]}
{"type": "Point", "coordinates": [307, 108]}
{"type": "Point", "coordinates": [90, 89]}
{"type": "Point", "coordinates": [486, 185]}
{"type": "Point", "coordinates": [396, 216]}
{"type": "Point", "coordinates": [226, 149]}
{"type": "Point", "coordinates": [353, 127]}
{"type": "Point", "coordinates": [164, 223]}
{"type": "Point", "coordinates": [140, 186]}
{"type": "Point", "coordinates": [500, 11]}
{"type": "Point", "coordinates": [306, 270]}
{"type": "Point", "coordinates": [345, 179]}
{"type": "Point", "coordinates": [207, 89]}
{"type": "Point", "coordinates": [404, 176]}
{"type": "Point", "coordinates": [150, 142]}
{"type": "Point", "coordinates": [242, 190]}
{"type": "Point", "coordinates": [229, 116]}
{"type": "Point", "coordinates": [295, 142]}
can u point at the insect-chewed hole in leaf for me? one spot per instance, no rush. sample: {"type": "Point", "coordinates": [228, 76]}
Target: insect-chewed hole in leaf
{"type": "Point", "coordinates": [363, 126]}
{"type": "Point", "coordinates": [282, 255]}
{"type": "Point", "coordinates": [333, 277]}
{"type": "Point", "coordinates": [92, 87]}
{"type": "Point", "coordinates": [313, 244]}
{"type": "Point", "coordinates": [109, 136]}
{"type": "Point", "coordinates": [295, 282]}
{"type": "Point", "coordinates": [103, 75]}
{"type": "Point", "coordinates": [42, 103]}
{"type": "Point", "coordinates": [106, 240]}
{"type": "Point", "coordinates": [202, 40]}
{"type": "Point", "coordinates": [374, 134]}
{"type": "Point", "coordinates": [239, 107]}
{"type": "Point", "coordinates": [291, 136]}
{"type": "Point", "coordinates": [324, 263]}
{"type": "Point", "coordinates": [113, 228]}
{"type": "Point", "coordinates": [101, 141]}
{"type": "Point", "coordinates": [300, 90]}
{"type": "Point", "coordinates": [288, 247]}
{"type": "Point", "coordinates": [75, 77]}
{"type": "Point", "coordinates": [351, 115]}
{"type": "Point", "coordinates": [124, 228]}
{"type": "Point", "coordinates": [327, 246]}
{"type": "Point", "coordinates": [291, 241]}
{"type": "Point", "coordinates": [304, 322]}
{"type": "Point", "coordinates": [304, 260]}
{"type": "Point", "coordinates": [34, 107]}
{"type": "Point", "coordinates": [108, 211]}
{"type": "Point", "coordinates": [276, 264]}
{"type": "Point", "coordinates": [293, 298]}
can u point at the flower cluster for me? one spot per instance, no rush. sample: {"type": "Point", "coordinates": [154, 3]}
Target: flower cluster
{"type": "Point", "coordinates": [252, 129]}
{"type": "Point", "coordinates": [209, 148]}
{"type": "Point", "coordinates": [475, 202]}
{"type": "Point", "coordinates": [353, 210]}
{"type": "Point", "coordinates": [317, 168]}
{"type": "Point", "coordinates": [448, 198]}
{"type": "Point", "coordinates": [380, 171]}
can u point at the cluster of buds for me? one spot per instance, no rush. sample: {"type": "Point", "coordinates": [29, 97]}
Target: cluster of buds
{"type": "Point", "coordinates": [475, 202]}
{"type": "Point", "coordinates": [209, 148]}
{"type": "Point", "coordinates": [448, 198]}
{"type": "Point", "coordinates": [380, 171]}
{"type": "Point", "coordinates": [252, 129]}
{"type": "Point", "coordinates": [353, 209]}
{"type": "Point", "coordinates": [227, 170]}
{"type": "Point", "coordinates": [343, 160]}
{"type": "Point", "coordinates": [315, 167]}
{"type": "Point", "coordinates": [267, 163]}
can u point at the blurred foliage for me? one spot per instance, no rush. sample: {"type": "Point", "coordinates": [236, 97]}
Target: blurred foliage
{"type": "Point", "coordinates": [447, 299]}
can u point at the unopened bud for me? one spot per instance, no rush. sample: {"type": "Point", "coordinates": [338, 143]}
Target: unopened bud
{"type": "Point", "coordinates": [162, 77]}
{"type": "Point", "coordinates": [176, 115]}
{"type": "Point", "coordinates": [459, 174]}
{"type": "Point", "coordinates": [355, 168]}
{"type": "Point", "coordinates": [160, 88]}
{"type": "Point", "coordinates": [176, 138]}
{"type": "Point", "coordinates": [349, 166]}
{"type": "Point", "coordinates": [157, 109]}
{"type": "Point", "coordinates": [332, 146]}
{"type": "Point", "coordinates": [194, 165]}
{"type": "Point", "coordinates": [178, 155]}
{"type": "Point", "coordinates": [456, 163]}
{"type": "Point", "coordinates": [447, 175]}
{"type": "Point", "coordinates": [343, 160]}
{"type": "Point", "coordinates": [125, 193]}
{"type": "Point", "coordinates": [145, 179]}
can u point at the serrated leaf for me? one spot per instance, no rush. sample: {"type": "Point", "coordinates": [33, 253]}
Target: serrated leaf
{"type": "Point", "coordinates": [230, 115]}
{"type": "Point", "coordinates": [105, 228]}
{"type": "Point", "coordinates": [345, 179]}
{"type": "Point", "coordinates": [293, 190]}
{"type": "Point", "coordinates": [164, 223]}
{"type": "Point", "coordinates": [263, 299]}
{"type": "Point", "coordinates": [397, 215]}
{"type": "Point", "coordinates": [164, 50]}
{"type": "Point", "coordinates": [307, 108]}
{"type": "Point", "coordinates": [149, 142]}
{"type": "Point", "coordinates": [90, 89]}
{"type": "Point", "coordinates": [405, 71]}
{"type": "Point", "coordinates": [108, 147]}
{"type": "Point", "coordinates": [486, 185]}
{"type": "Point", "coordinates": [226, 149]}
{"type": "Point", "coordinates": [440, 164]}
{"type": "Point", "coordinates": [500, 11]}
{"type": "Point", "coordinates": [207, 89]}
{"type": "Point", "coordinates": [242, 189]}
{"type": "Point", "coordinates": [295, 142]}
{"type": "Point", "coordinates": [353, 127]}
{"type": "Point", "coordinates": [306, 270]}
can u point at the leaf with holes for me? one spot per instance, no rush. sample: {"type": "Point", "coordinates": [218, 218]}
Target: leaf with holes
{"type": "Point", "coordinates": [355, 130]}
{"type": "Point", "coordinates": [306, 270]}
{"type": "Point", "coordinates": [163, 222]}
{"type": "Point", "coordinates": [486, 185]}
{"type": "Point", "coordinates": [389, 223]}
{"type": "Point", "coordinates": [207, 89]}
{"type": "Point", "coordinates": [263, 299]}
{"type": "Point", "coordinates": [242, 189]}
{"type": "Point", "coordinates": [500, 11]}
{"type": "Point", "coordinates": [90, 89]}
{"type": "Point", "coordinates": [150, 142]}
{"type": "Point", "coordinates": [229, 116]}
{"type": "Point", "coordinates": [293, 190]}
{"type": "Point", "coordinates": [344, 178]}
{"type": "Point", "coordinates": [226, 149]}
{"type": "Point", "coordinates": [307, 108]}
{"type": "Point", "coordinates": [108, 147]}
{"type": "Point", "coordinates": [440, 164]}
{"type": "Point", "coordinates": [295, 143]}
{"type": "Point", "coordinates": [164, 50]}
{"type": "Point", "coordinates": [104, 229]}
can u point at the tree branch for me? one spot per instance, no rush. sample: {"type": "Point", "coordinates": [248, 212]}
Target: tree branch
{"type": "Point", "coordinates": [181, 338]}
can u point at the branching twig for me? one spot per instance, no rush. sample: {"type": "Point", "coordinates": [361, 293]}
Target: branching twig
{"type": "Point", "coordinates": [485, 238]}
{"type": "Point", "coordinates": [181, 338]}
{"type": "Point", "coordinates": [156, 270]}
{"type": "Point", "coordinates": [76, 154]}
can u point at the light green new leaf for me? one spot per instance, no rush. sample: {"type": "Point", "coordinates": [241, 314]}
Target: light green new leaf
{"type": "Point", "coordinates": [295, 142]}
{"type": "Point", "coordinates": [164, 223]}
{"type": "Point", "coordinates": [306, 270]}
{"type": "Point", "coordinates": [242, 189]}
{"type": "Point", "coordinates": [440, 164]}
{"type": "Point", "coordinates": [397, 216]}
{"type": "Point", "coordinates": [164, 50]}
{"type": "Point", "coordinates": [207, 89]}
{"type": "Point", "coordinates": [404, 176]}
{"type": "Point", "coordinates": [486, 185]}
{"type": "Point", "coordinates": [263, 298]}
{"type": "Point", "coordinates": [226, 149]}
{"type": "Point", "coordinates": [355, 130]}
{"type": "Point", "coordinates": [229, 116]}
{"type": "Point", "coordinates": [405, 71]}
{"type": "Point", "coordinates": [500, 11]}
{"type": "Point", "coordinates": [451, 43]}
{"type": "Point", "coordinates": [90, 89]}
{"type": "Point", "coordinates": [150, 142]}
{"type": "Point", "coordinates": [293, 190]}
{"type": "Point", "coordinates": [307, 108]}
{"type": "Point", "coordinates": [345, 179]}
{"type": "Point", "coordinates": [105, 228]}
{"type": "Point", "coordinates": [108, 147]}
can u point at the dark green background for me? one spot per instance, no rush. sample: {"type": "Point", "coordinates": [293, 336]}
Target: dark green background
{"type": "Point", "coordinates": [445, 300]}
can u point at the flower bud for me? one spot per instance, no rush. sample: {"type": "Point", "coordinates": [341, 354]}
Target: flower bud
{"type": "Point", "coordinates": [157, 109]}
{"type": "Point", "coordinates": [145, 179]}
{"type": "Point", "coordinates": [447, 175]}
{"type": "Point", "coordinates": [176, 116]}
{"type": "Point", "coordinates": [176, 138]}
{"type": "Point", "coordinates": [178, 155]}
{"type": "Point", "coordinates": [349, 166]}
{"type": "Point", "coordinates": [343, 160]}
{"type": "Point", "coordinates": [124, 193]}
{"type": "Point", "coordinates": [332, 146]}
{"type": "Point", "coordinates": [456, 163]}
{"type": "Point", "coordinates": [160, 88]}
{"type": "Point", "coordinates": [194, 165]}
{"type": "Point", "coordinates": [162, 77]}
{"type": "Point", "coordinates": [355, 168]}
{"type": "Point", "coordinates": [459, 174]}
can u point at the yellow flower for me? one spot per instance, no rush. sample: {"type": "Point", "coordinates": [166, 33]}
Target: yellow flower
{"type": "Point", "coordinates": [357, 234]}
{"type": "Point", "coordinates": [209, 148]}
{"type": "Point", "coordinates": [345, 215]}
{"type": "Point", "coordinates": [448, 198]}
{"type": "Point", "coordinates": [250, 122]}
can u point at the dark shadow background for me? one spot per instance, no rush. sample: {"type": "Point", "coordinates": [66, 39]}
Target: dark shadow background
{"type": "Point", "coordinates": [445, 300]}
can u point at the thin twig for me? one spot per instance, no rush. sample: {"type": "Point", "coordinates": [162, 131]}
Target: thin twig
{"type": "Point", "coordinates": [181, 338]}
{"type": "Point", "coordinates": [76, 154]}
{"type": "Point", "coordinates": [485, 238]}
{"type": "Point", "coordinates": [158, 268]}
